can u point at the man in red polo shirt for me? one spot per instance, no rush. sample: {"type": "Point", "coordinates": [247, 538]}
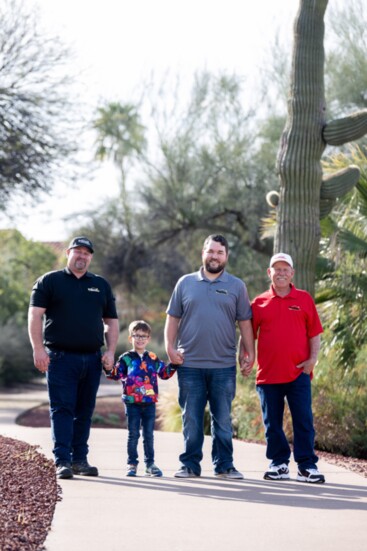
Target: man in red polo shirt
{"type": "Point", "coordinates": [287, 327]}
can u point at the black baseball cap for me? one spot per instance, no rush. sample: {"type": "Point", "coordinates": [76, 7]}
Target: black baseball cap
{"type": "Point", "coordinates": [81, 242]}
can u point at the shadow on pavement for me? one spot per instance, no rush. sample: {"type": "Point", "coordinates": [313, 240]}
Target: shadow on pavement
{"type": "Point", "coordinates": [287, 493]}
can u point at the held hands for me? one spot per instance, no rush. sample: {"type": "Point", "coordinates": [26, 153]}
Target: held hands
{"type": "Point", "coordinates": [108, 359]}
{"type": "Point", "coordinates": [246, 364]}
{"type": "Point", "coordinates": [176, 356]}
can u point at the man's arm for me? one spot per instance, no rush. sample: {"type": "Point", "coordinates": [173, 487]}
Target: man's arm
{"type": "Point", "coordinates": [111, 332]}
{"type": "Point", "coordinates": [170, 339]}
{"type": "Point", "coordinates": [35, 331]}
{"type": "Point", "coordinates": [246, 347]}
{"type": "Point", "coordinates": [309, 364]}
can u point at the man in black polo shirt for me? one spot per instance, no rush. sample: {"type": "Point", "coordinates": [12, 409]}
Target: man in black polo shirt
{"type": "Point", "coordinates": [72, 313]}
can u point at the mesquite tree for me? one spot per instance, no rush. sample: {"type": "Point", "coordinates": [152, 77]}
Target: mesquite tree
{"type": "Point", "coordinates": [306, 195]}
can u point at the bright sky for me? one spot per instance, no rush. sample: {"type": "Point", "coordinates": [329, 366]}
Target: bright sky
{"type": "Point", "coordinates": [119, 43]}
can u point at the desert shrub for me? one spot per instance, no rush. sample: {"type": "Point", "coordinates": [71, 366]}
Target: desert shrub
{"type": "Point", "coordinates": [168, 410]}
{"type": "Point", "coordinates": [340, 406]}
{"type": "Point", "coordinates": [16, 357]}
{"type": "Point", "coordinates": [246, 413]}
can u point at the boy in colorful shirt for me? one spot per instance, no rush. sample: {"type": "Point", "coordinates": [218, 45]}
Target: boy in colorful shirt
{"type": "Point", "coordinates": [139, 370]}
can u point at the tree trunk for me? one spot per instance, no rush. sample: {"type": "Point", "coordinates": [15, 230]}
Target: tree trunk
{"type": "Point", "coordinates": [301, 147]}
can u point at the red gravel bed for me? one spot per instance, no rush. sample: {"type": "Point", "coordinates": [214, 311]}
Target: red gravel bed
{"type": "Point", "coordinates": [28, 495]}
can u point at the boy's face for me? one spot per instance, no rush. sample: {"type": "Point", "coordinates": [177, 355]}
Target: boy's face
{"type": "Point", "coordinates": [139, 340]}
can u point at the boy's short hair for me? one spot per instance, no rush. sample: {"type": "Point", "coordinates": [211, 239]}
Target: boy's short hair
{"type": "Point", "coordinates": [139, 325]}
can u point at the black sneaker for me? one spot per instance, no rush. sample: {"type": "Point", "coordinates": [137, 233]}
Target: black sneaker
{"type": "Point", "coordinates": [277, 472]}
{"type": "Point", "coordinates": [310, 475]}
{"type": "Point", "coordinates": [83, 468]}
{"type": "Point", "coordinates": [63, 470]}
{"type": "Point", "coordinates": [186, 472]}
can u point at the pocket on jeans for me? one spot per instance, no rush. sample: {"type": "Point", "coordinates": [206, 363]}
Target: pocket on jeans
{"type": "Point", "coordinates": [54, 354]}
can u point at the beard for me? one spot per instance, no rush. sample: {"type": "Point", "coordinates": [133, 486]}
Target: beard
{"type": "Point", "coordinates": [216, 268]}
{"type": "Point", "coordinates": [80, 264]}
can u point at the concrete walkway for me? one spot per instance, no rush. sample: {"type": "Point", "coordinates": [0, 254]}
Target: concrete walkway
{"type": "Point", "coordinates": [113, 512]}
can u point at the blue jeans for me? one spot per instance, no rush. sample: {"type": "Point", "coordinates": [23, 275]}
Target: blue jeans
{"type": "Point", "coordinates": [73, 380]}
{"type": "Point", "coordinates": [140, 415]}
{"type": "Point", "coordinates": [272, 400]}
{"type": "Point", "coordinates": [197, 387]}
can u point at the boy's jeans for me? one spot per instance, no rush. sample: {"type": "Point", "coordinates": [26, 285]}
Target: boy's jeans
{"type": "Point", "coordinates": [73, 380]}
{"type": "Point", "coordinates": [140, 415]}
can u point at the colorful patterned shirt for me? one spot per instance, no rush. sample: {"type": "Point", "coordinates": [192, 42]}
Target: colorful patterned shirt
{"type": "Point", "coordinates": [139, 376]}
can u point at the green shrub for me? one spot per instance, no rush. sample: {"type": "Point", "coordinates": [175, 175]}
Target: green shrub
{"type": "Point", "coordinates": [246, 413]}
{"type": "Point", "coordinates": [16, 357]}
{"type": "Point", "coordinates": [340, 406]}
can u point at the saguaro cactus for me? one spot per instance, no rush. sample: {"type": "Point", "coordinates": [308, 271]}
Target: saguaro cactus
{"type": "Point", "coordinates": [305, 196]}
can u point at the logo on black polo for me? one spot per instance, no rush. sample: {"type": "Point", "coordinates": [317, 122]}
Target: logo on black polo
{"type": "Point", "coordinates": [93, 289]}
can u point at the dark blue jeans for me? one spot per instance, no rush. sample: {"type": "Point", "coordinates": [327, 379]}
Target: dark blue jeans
{"type": "Point", "coordinates": [73, 381]}
{"type": "Point", "coordinates": [272, 400]}
{"type": "Point", "coordinates": [196, 388]}
{"type": "Point", "coordinates": [140, 415]}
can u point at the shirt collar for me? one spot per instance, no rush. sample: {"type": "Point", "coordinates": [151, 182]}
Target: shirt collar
{"type": "Point", "coordinates": [201, 277]}
{"type": "Point", "coordinates": [291, 293]}
{"type": "Point", "coordinates": [70, 273]}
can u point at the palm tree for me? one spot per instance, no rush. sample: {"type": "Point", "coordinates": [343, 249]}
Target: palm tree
{"type": "Point", "coordinates": [342, 289]}
{"type": "Point", "coordinates": [120, 137]}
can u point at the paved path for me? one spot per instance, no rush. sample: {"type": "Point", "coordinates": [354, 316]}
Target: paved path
{"type": "Point", "coordinates": [114, 513]}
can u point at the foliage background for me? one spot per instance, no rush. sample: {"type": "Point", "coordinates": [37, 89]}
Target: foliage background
{"type": "Point", "coordinates": [190, 168]}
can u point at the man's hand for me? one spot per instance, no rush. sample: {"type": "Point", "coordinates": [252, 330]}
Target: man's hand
{"type": "Point", "coordinates": [108, 359]}
{"type": "Point", "coordinates": [41, 359]}
{"type": "Point", "coordinates": [176, 356]}
{"type": "Point", "coordinates": [307, 366]}
{"type": "Point", "coordinates": [246, 365]}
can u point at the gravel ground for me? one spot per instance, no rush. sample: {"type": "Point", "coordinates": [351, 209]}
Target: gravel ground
{"type": "Point", "coordinates": [28, 487]}
{"type": "Point", "coordinates": [28, 496]}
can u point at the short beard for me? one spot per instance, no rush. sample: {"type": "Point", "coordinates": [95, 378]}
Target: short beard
{"type": "Point", "coordinates": [81, 267]}
{"type": "Point", "coordinates": [215, 270]}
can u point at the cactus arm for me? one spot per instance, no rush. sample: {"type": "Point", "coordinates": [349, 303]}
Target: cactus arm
{"type": "Point", "coordinates": [337, 185]}
{"type": "Point", "coordinates": [347, 129]}
{"type": "Point", "coordinates": [340, 182]}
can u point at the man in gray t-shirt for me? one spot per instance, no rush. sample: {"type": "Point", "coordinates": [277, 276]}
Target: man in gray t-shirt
{"type": "Point", "coordinates": [201, 326]}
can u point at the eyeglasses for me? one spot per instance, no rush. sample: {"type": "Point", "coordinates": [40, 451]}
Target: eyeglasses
{"type": "Point", "coordinates": [140, 337]}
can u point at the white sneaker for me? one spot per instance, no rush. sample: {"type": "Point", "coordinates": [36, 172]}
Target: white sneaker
{"type": "Point", "coordinates": [310, 475]}
{"type": "Point", "coordinates": [185, 472]}
{"type": "Point", "coordinates": [277, 472]}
